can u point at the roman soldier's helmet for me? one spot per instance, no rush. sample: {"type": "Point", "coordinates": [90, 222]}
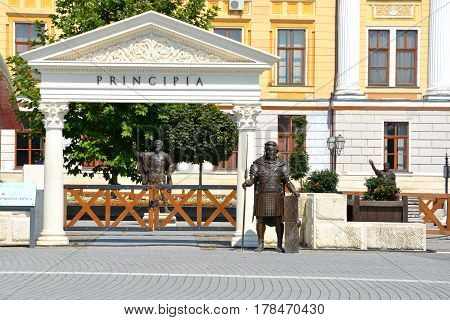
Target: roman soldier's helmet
{"type": "Point", "coordinates": [271, 143]}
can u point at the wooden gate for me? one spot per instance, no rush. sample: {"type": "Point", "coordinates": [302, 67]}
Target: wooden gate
{"type": "Point", "coordinates": [109, 206]}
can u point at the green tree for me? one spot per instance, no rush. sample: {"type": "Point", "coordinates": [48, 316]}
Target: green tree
{"type": "Point", "coordinates": [201, 133]}
{"type": "Point", "coordinates": [100, 131]}
{"type": "Point", "coordinates": [299, 160]}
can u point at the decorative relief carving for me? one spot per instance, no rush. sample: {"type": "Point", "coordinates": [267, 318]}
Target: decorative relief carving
{"type": "Point", "coordinates": [150, 48]}
{"type": "Point", "coordinates": [54, 115]}
{"type": "Point", "coordinates": [246, 116]}
{"type": "Point", "coordinates": [393, 11]}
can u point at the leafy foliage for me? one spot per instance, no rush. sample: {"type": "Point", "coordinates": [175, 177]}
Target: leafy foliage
{"type": "Point", "coordinates": [381, 189]}
{"type": "Point", "coordinates": [105, 131]}
{"type": "Point", "coordinates": [323, 181]}
{"type": "Point", "coordinates": [199, 133]}
{"type": "Point", "coordinates": [299, 160]}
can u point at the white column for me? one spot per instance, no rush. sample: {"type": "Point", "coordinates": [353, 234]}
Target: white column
{"type": "Point", "coordinates": [53, 232]}
{"type": "Point", "coordinates": [439, 51]}
{"type": "Point", "coordinates": [347, 78]}
{"type": "Point", "coordinates": [246, 120]}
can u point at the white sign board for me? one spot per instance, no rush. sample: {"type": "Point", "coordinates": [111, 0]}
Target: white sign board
{"type": "Point", "coordinates": [17, 194]}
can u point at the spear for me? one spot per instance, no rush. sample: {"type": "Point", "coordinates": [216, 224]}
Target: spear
{"type": "Point", "coordinates": [245, 197]}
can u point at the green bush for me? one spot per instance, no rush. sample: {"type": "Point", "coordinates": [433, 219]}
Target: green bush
{"type": "Point", "coordinates": [381, 189]}
{"type": "Point", "coordinates": [324, 181]}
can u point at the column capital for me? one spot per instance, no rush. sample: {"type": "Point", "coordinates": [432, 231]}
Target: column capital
{"type": "Point", "coordinates": [246, 115]}
{"type": "Point", "coordinates": [54, 113]}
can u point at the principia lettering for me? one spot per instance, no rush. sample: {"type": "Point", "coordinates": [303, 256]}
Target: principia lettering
{"type": "Point", "coordinates": [152, 81]}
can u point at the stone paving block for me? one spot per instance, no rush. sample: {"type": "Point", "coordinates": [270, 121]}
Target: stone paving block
{"type": "Point", "coordinates": [396, 236]}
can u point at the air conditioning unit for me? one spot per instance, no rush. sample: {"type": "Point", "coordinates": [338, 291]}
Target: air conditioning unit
{"type": "Point", "coordinates": [236, 5]}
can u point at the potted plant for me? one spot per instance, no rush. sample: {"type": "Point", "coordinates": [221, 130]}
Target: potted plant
{"type": "Point", "coordinates": [380, 203]}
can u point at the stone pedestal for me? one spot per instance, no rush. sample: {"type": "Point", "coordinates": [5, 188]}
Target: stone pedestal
{"type": "Point", "coordinates": [326, 227]}
{"type": "Point", "coordinates": [14, 228]}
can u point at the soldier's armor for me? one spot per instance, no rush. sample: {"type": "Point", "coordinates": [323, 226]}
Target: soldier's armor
{"type": "Point", "coordinates": [158, 168]}
{"type": "Point", "coordinates": [270, 178]}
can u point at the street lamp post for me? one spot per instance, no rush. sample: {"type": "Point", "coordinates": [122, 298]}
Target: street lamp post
{"type": "Point", "coordinates": [335, 145]}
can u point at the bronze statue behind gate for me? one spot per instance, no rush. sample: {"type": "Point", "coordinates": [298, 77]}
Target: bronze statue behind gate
{"type": "Point", "coordinates": [155, 167]}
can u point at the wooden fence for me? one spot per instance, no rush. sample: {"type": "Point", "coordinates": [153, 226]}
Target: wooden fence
{"type": "Point", "coordinates": [429, 204]}
{"type": "Point", "coordinates": [98, 202]}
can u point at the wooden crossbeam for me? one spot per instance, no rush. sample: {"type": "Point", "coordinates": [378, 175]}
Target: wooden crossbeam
{"type": "Point", "coordinates": [220, 208]}
{"type": "Point", "coordinates": [129, 208]}
{"type": "Point", "coordinates": [85, 208]}
{"type": "Point", "coordinates": [429, 213]}
{"type": "Point", "coordinates": [177, 207]}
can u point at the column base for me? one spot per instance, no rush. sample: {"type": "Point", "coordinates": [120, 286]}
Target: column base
{"type": "Point", "coordinates": [250, 241]}
{"type": "Point", "coordinates": [53, 239]}
{"type": "Point", "coordinates": [349, 94]}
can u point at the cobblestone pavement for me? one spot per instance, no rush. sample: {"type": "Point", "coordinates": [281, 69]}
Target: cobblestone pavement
{"type": "Point", "coordinates": [189, 272]}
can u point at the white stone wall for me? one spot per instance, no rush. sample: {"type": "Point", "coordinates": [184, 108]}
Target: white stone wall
{"type": "Point", "coordinates": [7, 148]}
{"type": "Point", "coordinates": [317, 133]}
{"type": "Point", "coordinates": [429, 137]}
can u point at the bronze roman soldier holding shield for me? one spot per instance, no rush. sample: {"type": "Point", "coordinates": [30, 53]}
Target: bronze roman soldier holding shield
{"type": "Point", "coordinates": [270, 176]}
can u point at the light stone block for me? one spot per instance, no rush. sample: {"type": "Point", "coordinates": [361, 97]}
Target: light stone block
{"type": "Point", "coordinates": [8, 156]}
{"type": "Point", "coordinates": [14, 228]}
{"type": "Point", "coordinates": [337, 235]}
{"type": "Point", "coordinates": [330, 206]}
{"type": "Point", "coordinates": [7, 133]}
{"type": "Point", "coordinates": [20, 229]}
{"type": "Point", "coordinates": [3, 229]}
{"type": "Point", "coordinates": [8, 148]}
{"type": "Point", "coordinates": [396, 236]}
{"type": "Point", "coordinates": [11, 140]}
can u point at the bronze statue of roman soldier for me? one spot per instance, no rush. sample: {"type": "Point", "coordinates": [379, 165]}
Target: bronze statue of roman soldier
{"type": "Point", "coordinates": [270, 176]}
{"type": "Point", "coordinates": [155, 167]}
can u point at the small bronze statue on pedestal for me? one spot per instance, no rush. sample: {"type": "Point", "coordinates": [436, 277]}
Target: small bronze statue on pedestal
{"type": "Point", "coordinates": [386, 173]}
{"type": "Point", "coordinates": [155, 167]}
{"type": "Point", "coordinates": [270, 176]}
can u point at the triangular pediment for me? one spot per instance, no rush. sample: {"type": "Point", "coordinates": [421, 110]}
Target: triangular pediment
{"type": "Point", "coordinates": [152, 45]}
{"type": "Point", "coordinates": [149, 38]}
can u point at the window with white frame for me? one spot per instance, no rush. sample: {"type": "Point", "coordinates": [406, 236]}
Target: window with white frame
{"type": "Point", "coordinates": [392, 57]}
{"type": "Point", "coordinates": [406, 58]}
{"type": "Point", "coordinates": [291, 44]}
{"type": "Point", "coordinates": [378, 58]}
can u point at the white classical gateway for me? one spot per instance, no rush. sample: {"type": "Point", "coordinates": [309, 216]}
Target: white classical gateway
{"type": "Point", "coordinates": [146, 58]}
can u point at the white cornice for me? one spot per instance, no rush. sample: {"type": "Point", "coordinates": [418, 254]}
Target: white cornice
{"type": "Point", "coordinates": [139, 68]}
